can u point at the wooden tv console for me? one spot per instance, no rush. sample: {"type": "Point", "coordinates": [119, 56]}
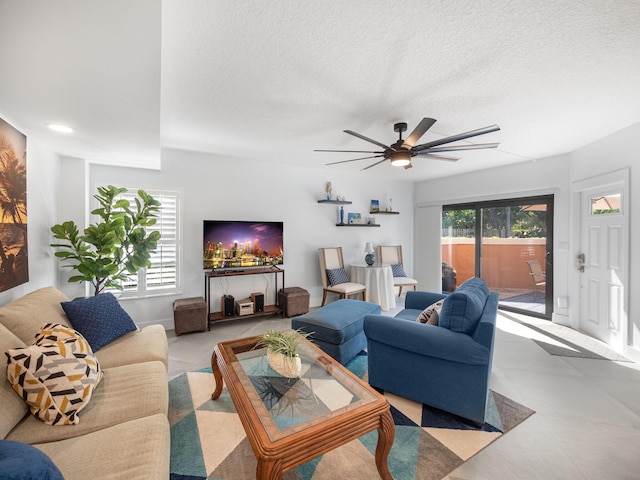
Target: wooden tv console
{"type": "Point", "coordinates": [272, 309]}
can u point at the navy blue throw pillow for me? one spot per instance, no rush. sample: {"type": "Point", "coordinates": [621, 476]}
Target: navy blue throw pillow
{"type": "Point", "coordinates": [337, 276]}
{"type": "Point", "coordinates": [99, 319]}
{"type": "Point", "coordinates": [398, 270]}
{"type": "Point", "coordinates": [20, 461]}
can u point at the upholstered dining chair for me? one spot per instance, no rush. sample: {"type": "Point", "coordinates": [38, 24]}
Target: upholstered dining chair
{"type": "Point", "coordinates": [334, 276]}
{"type": "Point", "coordinates": [392, 255]}
{"type": "Point", "coordinates": [538, 276]}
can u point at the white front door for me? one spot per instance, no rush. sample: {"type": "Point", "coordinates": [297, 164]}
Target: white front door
{"type": "Point", "coordinates": [602, 263]}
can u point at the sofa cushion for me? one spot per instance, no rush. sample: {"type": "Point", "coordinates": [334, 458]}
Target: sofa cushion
{"type": "Point", "coordinates": [135, 449]}
{"type": "Point", "coordinates": [12, 408]}
{"type": "Point", "coordinates": [25, 316]}
{"type": "Point", "coordinates": [55, 377]}
{"type": "Point", "coordinates": [125, 393]}
{"type": "Point", "coordinates": [463, 308]}
{"type": "Point", "coordinates": [100, 319]}
{"type": "Point", "coordinates": [398, 270]}
{"type": "Point", "coordinates": [20, 461]}
{"type": "Point", "coordinates": [336, 276]}
{"type": "Point", "coordinates": [431, 314]}
{"type": "Point", "coordinates": [144, 345]}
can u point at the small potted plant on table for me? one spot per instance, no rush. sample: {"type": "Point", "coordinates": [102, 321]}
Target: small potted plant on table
{"type": "Point", "coordinates": [282, 351]}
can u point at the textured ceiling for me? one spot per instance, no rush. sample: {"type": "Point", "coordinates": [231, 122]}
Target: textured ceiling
{"type": "Point", "coordinates": [272, 81]}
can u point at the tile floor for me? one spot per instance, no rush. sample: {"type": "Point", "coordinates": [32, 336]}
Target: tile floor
{"type": "Point", "coordinates": [587, 420]}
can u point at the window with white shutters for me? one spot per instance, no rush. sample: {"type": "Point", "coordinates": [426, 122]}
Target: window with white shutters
{"type": "Point", "coordinates": [163, 275]}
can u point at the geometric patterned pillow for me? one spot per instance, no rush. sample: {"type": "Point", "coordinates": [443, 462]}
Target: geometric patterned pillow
{"type": "Point", "coordinates": [431, 314]}
{"type": "Point", "coordinates": [55, 377]}
{"type": "Point", "coordinates": [337, 276]}
{"type": "Point", "coordinates": [55, 332]}
{"type": "Point", "coordinates": [398, 270]}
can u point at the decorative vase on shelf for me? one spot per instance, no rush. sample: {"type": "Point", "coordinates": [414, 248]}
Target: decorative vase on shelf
{"type": "Point", "coordinates": [341, 215]}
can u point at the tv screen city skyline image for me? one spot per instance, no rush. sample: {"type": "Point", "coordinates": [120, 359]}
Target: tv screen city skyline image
{"type": "Point", "coordinates": [233, 244]}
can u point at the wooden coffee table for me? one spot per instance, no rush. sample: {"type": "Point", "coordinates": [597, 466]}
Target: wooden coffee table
{"type": "Point", "coordinates": [291, 421]}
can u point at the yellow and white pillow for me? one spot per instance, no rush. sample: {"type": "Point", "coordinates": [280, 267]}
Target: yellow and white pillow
{"type": "Point", "coordinates": [55, 376]}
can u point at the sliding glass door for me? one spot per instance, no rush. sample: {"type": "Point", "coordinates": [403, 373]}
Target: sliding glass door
{"type": "Point", "coordinates": [508, 243]}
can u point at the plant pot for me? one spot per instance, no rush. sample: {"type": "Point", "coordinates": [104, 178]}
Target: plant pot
{"type": "Point", "coordinates": [289, 367]}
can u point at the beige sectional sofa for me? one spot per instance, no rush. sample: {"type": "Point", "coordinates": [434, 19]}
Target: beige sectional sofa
{"type": "Point", "coordinates": [123, 431]}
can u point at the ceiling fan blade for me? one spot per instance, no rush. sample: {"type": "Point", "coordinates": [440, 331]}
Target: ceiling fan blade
{"type": "Point", "coordinates": [374, 164]}
{"type": "Point", "coordinates": [437, 157]}
{"type": "Point", "coordinates": [353, 160]}
{"type": "Point", "coordinates": [424, 125]}
{"type": "Point", "coordinates": [454, 148]}
{"type": "Point", "coordinates": [455, 138]}
{"type": "Point", "coordinates": [367, 139]}
{"type": "Point", "coordinates": [348, 151]}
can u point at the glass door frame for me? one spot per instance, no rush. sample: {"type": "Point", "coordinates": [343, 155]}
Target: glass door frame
{"type": "Point", "coordinates": [548, 201]}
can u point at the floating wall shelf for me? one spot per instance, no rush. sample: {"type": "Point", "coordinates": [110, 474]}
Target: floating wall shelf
{"type": "Point", "coordinates": [357, 225]}
{"type": "Point", "coordinates": [336, 202]}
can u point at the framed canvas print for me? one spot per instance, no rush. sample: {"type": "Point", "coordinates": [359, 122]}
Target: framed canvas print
{"type": "Point", "coordinates": [375, 206]}
{"type": "Point", "coordinates": [14, 265]}
{"type": "Point", "coordinates": [355, 218]}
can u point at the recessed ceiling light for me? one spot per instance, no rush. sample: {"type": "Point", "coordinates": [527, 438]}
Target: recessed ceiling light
{"type": "Point", "coordinates": [59, 128]}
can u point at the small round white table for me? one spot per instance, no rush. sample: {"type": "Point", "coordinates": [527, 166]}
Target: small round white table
{"type": "Point", "coordinates": [378, 279]}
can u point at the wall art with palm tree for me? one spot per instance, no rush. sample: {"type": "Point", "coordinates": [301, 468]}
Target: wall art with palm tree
{"type": "Point", "coordinates": [14, 266]}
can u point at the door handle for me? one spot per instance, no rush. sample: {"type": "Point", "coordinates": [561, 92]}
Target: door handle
{"type": "Point", "coordinates": [580, 261]}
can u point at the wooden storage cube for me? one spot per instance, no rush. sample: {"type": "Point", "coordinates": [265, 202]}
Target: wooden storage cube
{"type": "Point", "coordinates": [190, 315]}
{"type": "Point", "coordinates": [293, 300]}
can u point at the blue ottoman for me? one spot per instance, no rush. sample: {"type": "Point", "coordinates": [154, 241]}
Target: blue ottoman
{"type": "Point", "coordinates": [337, 328]}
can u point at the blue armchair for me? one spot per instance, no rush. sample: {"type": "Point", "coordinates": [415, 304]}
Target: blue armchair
{"type": "Point", "coordinates": [446, 366]}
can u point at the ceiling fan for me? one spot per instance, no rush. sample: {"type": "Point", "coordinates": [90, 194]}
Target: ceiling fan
{"type": "Point", "coordinates": [401, 152]}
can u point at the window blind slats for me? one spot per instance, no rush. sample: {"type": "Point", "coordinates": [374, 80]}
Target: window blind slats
{"type": "Point", "coordinates": [163, 272]}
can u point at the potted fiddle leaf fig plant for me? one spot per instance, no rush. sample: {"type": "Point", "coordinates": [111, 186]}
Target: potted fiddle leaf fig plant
{"type": "Point", "coordinates": [282, 351]}
{"type": "Point", "coordinates": [119, 244]}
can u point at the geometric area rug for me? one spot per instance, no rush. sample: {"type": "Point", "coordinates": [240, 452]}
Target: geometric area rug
{"type": "Point", "coordinates": [208, 441]}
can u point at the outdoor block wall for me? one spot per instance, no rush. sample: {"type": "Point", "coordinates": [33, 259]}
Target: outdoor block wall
{"type": "Point", "coordinates": [503, 259]}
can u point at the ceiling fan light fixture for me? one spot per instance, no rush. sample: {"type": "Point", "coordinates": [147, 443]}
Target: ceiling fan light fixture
{"type": "Point", "coordinates": [402, 151]}
{"type": "Point", "coordinates": [400, 159]}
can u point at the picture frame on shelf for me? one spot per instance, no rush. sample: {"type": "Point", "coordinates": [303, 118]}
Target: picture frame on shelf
{"type": "Point", "coordinates": [375, 206]}
{"type": "Point", "coordinates": [355, 218]}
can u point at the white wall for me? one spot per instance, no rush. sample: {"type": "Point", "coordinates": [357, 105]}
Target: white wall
{"type": "Point", "coordinates": [42, 195]}
{"type": "Point", "coordinates": [230, 189]}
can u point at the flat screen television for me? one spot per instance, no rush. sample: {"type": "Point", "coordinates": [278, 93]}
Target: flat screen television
{"type": "Point", "coordinates": [237, 244]}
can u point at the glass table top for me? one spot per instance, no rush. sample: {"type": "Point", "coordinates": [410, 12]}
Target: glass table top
{"type": "Point", "coordinates": [284, 406]}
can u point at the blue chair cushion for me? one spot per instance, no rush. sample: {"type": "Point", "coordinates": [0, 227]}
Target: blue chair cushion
{"type": "Point", "coordinates": [100, 319]}
{"type": "Point", "coordinates": [20, 461]}
{"type": "Point", "coordinates": [337, 276]}
{"type": "Point", "coordinates": [462, 309]}
{"type": "Point", "coordinates": [337, 322]}
{"type": "Point", "coordinates": [398, 270]}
